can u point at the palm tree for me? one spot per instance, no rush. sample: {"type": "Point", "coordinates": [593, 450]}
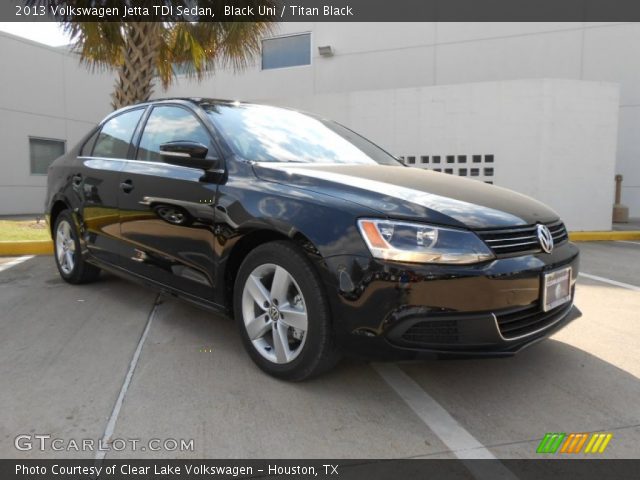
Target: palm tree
{"type": "Point", "coordinates": [141, 52]}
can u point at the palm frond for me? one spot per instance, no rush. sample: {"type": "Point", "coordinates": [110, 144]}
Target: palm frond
{"type": "Point", "coordinates": [196, 48]}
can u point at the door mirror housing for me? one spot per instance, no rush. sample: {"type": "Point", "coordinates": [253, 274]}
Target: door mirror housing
{"type": "Point", "coordinates": [188, 154]}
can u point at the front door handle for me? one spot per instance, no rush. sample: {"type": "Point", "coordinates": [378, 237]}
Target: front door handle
{"type": "Point", "coordinates": [126, 186]}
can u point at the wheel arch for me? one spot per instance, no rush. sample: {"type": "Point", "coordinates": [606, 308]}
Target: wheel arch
{"type": "Point", "coordinates": [57, 207]}
{"type": "Point", "coordinates": [251, 241]}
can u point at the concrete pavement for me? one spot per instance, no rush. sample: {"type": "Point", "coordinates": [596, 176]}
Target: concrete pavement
{"type": "Point", "coordinates": [65, 352]}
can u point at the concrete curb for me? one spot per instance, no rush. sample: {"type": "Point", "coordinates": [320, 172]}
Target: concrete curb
{"type": "Point", "coordinates": [40, 247]}
{"type": "Point", "coordinates": [45, 247]}
{"type": "Point", "coordinates": [604, 236]}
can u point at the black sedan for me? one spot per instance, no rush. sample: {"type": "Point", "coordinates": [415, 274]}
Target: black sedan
{"type": "Point", "coordinates": [317, 241]}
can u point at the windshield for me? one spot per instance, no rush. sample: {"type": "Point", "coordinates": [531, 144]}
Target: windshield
{"type": "Point", "coordinates": [269, 134]}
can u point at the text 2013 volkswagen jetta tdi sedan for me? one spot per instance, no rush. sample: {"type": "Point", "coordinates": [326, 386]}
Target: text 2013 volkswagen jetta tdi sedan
{"type": "Point", "coordinates": [316, 240]}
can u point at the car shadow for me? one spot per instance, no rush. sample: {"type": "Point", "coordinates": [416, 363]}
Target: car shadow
{"type": "Point", "coordinates": [549, 387]}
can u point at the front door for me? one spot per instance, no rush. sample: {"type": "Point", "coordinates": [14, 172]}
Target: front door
{"type": "Point", "coordinates": [166, 211]}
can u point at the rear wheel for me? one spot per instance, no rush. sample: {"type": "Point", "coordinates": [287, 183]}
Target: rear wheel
{"type": "Point", "coordinates": [71, 266]}
{"type": "Point", "coordinates": [282, 313]}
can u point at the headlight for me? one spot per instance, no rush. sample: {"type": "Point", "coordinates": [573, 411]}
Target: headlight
{"type": "Point", "coordinates": [419, 243]}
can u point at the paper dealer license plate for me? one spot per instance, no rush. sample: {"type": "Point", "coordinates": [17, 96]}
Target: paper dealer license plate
{"type": "Point", "coordinates": [556, 288]}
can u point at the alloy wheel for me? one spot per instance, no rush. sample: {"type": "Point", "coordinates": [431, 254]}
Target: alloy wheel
{"type": "Point", "coordinates": [274, 313]}
{"type": "Point", "coordinates": [65, 247]}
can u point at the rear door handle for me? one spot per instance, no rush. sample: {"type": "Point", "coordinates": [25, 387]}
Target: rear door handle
{"type": "Point", "coordinates": [126, 186]}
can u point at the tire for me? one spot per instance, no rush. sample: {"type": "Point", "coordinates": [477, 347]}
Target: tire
{"type": "Point", "coordinates": [72, 267]}
{"type": "Point", "coordinates": [288, 335]}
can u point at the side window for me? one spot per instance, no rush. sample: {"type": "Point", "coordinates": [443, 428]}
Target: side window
{"type": "Point", "coordinates": [170, 124]}
{"type": "Point", "coordinates": [115, 136]}
{"type": "Point", "coordinates": [86, 149]}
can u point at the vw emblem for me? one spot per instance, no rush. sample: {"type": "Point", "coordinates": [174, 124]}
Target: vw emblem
{"type": "Point", "coordinates": [545, 238]}
{"type": "Point", "coordinates": [274, 313]}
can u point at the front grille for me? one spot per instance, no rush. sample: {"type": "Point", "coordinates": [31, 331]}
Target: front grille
{"type": "Point", "coordinates": [508, 241]}
{"type": "Point", "coordinates": [524, 321]}
{"type": "Point", "coordinates": [432, 332]}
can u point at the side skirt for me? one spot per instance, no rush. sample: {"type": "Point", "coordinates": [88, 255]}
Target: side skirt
{"type": "Point", "coordinates": [147, 282]}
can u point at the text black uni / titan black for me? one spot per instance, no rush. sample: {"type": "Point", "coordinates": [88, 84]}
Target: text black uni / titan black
{"type": "Point", "coordinates": [317, 242]}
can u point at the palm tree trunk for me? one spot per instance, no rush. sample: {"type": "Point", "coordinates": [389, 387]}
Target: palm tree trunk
{"type": "Point", "coordinates": [140, 54]}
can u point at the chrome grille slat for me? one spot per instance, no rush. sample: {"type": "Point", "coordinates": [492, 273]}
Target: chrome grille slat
{"type": "Point", "coordinates": [532, 237]}
{"type": "Point", "coordinates": [509, 231]}
{"type": "Point", "coordinates": [527, 320]}
{"type": "Point", "coordinates": [533, 242]}
{"type": "Point", "coordinates": [509, 241]}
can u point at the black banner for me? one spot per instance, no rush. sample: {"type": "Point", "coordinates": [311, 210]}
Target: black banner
{"type": "Point", "coordinates": [320, 10]}
{"type": "Point", "coordinates": [592, 469]}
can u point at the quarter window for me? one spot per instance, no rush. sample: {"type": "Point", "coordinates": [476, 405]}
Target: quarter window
{"type": "Point", "coordinates": [116, 133]}
{"type": "Point", "coordinates": [43, 152]}
{"type": "Point", "coordinates": [170, 124]}
{"type": "Point", "coordinates": [88, 145]}
{"type": "Point", "coordinates": [290, 51]}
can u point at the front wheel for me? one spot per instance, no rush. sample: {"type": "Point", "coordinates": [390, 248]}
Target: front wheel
{"type": "Point", "coordinates": [283, 314]}
{"type": "Point", "coordinates": [71, 266]}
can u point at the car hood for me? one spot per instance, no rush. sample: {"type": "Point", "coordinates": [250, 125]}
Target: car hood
{"type": "Point", "coordinates": [413, 193]}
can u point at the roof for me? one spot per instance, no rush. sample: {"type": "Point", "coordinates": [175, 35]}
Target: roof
{"type": "Point", "coordinates": [196, 100]}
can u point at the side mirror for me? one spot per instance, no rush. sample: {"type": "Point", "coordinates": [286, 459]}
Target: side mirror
{"type": "Point", "coordinates": [187, 154]}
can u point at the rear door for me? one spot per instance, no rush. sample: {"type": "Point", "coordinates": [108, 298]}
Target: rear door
{"type": "Point", "coordinates": [95, 182]}
{"type": "Point", "coordinates": [167, 211]}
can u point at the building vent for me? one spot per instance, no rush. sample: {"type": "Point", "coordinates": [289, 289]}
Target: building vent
{"type": "Point", "coordinates": [477, 166]}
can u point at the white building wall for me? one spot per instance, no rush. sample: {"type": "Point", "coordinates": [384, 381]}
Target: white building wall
{"type": "Point", "coordinates": [43, 93]}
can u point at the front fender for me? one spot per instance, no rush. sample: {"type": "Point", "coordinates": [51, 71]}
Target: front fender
{"type": "Point", "coordinates": [245, 205]}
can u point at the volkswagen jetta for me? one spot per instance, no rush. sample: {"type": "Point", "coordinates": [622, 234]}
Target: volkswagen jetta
{"type": "Point", "coordinates": [317, 241]}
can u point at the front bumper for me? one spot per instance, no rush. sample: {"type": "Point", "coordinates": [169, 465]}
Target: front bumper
{"type": "Point", "coordinates": [401, 311]}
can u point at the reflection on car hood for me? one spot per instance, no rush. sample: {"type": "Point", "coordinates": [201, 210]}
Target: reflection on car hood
{"type": "Point", "coordinates": [403, 192]}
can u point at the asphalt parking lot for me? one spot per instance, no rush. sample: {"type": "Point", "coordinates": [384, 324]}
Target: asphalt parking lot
{"type": "Point", "coordinates": [67, 358]}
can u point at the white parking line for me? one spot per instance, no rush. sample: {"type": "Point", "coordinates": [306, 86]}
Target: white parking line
{"type": "Point", "coordinates": [609, 281]}
{"type": "Point", "coordinates": [461, 443]}
{"type": "Point", "coordinates": [111, 424]}
{"type": "Point", "coordinates": [628, 241]}
{"type": "Point", "coordinates": [14, 262]}
{"type": "Point", "coordinates": [452, 434]}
